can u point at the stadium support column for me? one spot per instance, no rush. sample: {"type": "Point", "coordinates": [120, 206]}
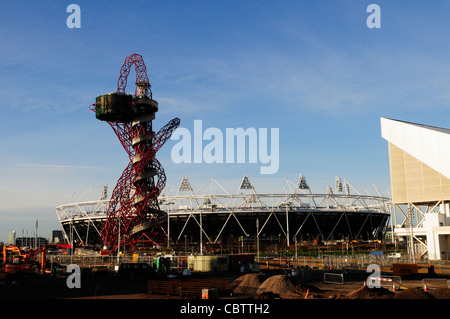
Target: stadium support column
{"type": "Point", "coordinates": [410, 239]}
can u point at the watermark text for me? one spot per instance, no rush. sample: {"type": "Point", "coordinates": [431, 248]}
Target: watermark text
{"type": "Point", "coordinates": [235, 146]}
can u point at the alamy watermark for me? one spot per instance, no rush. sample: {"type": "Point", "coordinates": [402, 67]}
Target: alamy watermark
{"type": "Point", "coordinates": [374, 19]}
{"type": "Point", "coordinates": [74, 19]}
{"type": "Point", "coordinates": [74, 279]}
{"type": "Point", "coordinates": [236, 145]}
{"type": "Point", "coordinates": [375, 271]}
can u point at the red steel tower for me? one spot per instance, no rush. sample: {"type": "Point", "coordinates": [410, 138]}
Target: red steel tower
{"type": "Point", "coordinates": [134, 211]}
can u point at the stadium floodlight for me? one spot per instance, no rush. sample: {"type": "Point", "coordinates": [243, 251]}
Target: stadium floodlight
{"type": "Point", "coordinates": [245, 184]}
{"type": "Point", "coordinates": [302, 182]}
{"type": "Point", "coordinates": [185, 185]}
{"type": "Point", "coordinates": [347, 188]}
{"type": "Point", "coordinates": [338, 183]}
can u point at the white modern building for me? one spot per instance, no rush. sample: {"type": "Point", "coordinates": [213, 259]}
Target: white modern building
{"type": "Point", "coordinates": [419, 161]}
{"type": "Point", "coordinates": [12, 237]}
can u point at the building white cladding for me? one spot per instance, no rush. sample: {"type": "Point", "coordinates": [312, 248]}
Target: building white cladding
{"type": "Point", "coordinates": [428, 144]}
{"type": "Point", "coordinates": [420, 182]}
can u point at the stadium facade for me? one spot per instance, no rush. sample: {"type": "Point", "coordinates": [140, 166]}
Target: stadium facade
{"type": "Point", "coordinates": [213, 216]}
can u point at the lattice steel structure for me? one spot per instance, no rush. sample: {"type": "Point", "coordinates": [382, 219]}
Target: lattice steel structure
{"type": "Point", "coordinates": [133, 210]}
{"type": "Point", "coordinates": [212, 215]}
{"type": "Point", "coordinates": [292, 214]}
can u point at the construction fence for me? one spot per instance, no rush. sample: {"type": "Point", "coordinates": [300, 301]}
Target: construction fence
{"type": "Point", "coordinates": [325, 262]}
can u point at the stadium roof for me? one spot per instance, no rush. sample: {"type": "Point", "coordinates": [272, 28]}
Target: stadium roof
{"type": "Point", "coordinates": [428, 144]}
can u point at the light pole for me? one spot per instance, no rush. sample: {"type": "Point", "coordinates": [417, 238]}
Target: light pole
{"type": "Point", "coordinates": [71, 236]}
{"type": "Point", "coordinates": [257, 237]}
{"type": "Point", "coordinates": [295, 248]}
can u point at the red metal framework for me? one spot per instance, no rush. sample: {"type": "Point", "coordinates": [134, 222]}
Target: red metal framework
{"type": "Point", "coordinates": [134, 210]}
{"type": "Point", "coordinates": [141, 73]}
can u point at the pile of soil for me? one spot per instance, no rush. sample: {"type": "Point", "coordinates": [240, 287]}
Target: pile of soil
{"type": "Point", "coordinates": [267, 295]}
{"type": "Point", "coordinates": [368, 293]}
{"type": "Point", "coordinates": [247, 284]}
{"type": "Point", "coordinates": [440, 293]}
{"type": "Point", "coordinates": [278, 284]}
{"type": "Point", "coordinates": [302, 291]}
{"type": "Point", "coordinates": [413, 293]}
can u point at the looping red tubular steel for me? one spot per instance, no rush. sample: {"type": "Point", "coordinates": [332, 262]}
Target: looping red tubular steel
{"type": "Point", "coordinates": [134, 200]}
{"type": "Point", "coordinates": [140, 69]}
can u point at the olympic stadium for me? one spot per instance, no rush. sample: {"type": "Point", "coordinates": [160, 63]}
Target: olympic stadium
{"type": "Point", "coordinates": [214, 216]}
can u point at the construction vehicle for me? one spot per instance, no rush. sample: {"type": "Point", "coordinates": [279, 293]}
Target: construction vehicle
{"type": "Point", "coordinates": [15, 260]}
{"type": "Point", "coordinates": [37, 258]}
{"type": "Point", "coordinates": [13, 254]}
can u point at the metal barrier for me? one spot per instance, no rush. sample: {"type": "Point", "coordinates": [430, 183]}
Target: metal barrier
{"type": "Point", "coordinates": [333, 278]}
{"type": "Point", "coordinates": [393, 282]}
{"type": "Point", "coordinates": [432, 283]}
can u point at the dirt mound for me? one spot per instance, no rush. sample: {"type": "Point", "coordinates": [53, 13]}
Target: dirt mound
{"type": "Point", "coordinates": [294, 295]}
{"type": "Point", "coordinates": [303, 288]}
{"type": "Point", "coordinates": [440, 293]}
{"type": "Point", "coordinates": [247, 284]}
{"type": "Point", "coordinates": [303, 291]}
{"type": "Point", "coordinates": [368, 293]}
{"type": "Point", "coordinates": [278, 284]}
{"type": "Point", "coordinates": [413, 293]}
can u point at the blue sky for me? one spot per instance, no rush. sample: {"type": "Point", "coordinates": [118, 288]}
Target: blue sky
{"type": "Point", "coordinates": [313, 69]}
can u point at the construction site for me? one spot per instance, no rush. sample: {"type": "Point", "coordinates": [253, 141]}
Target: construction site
{"type": "Point", "coordinates": [209, 243]}
{"type": "Point", "coordinates": [44, 274]}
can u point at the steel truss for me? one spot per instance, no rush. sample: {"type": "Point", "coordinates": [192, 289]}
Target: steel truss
{"type": "Point", "coordinates": [289, 211]}
{"type": "Point", "coordinates": [81, 222]}
{"type": "Point", "coordinates": [213, 213]}
{"type": "Point", "coordinates": [411, 226]}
